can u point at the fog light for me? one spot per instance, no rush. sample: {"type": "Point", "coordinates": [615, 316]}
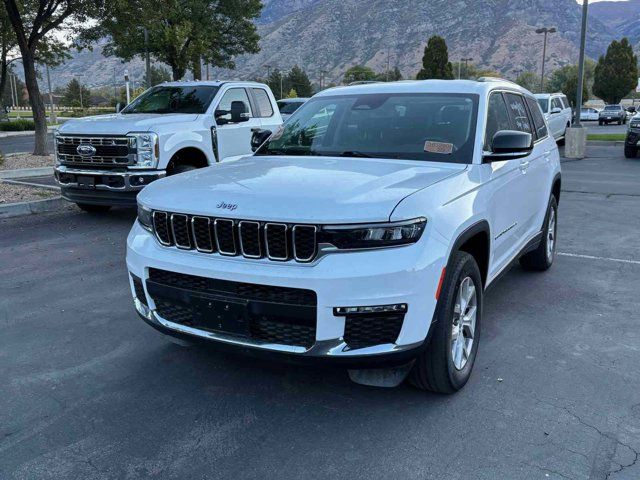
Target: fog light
{"type": "Point", "coordinates": [395, 308]}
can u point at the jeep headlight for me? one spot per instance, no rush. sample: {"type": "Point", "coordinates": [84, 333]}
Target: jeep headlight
{"type": "Point", "coordinates": [375, 235]}
{"type": "Point", "coordinates": [145, 217]}
{"type": "Point", "coordinates": [146, 148]}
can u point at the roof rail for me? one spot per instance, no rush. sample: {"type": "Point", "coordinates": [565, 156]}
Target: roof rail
{"type": "Point", "coordinates": [494, 79]}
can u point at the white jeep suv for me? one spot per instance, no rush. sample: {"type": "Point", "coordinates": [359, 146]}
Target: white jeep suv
{"type": "Point", "coordinates": [364, 232]}
{"type": "Point", "coordinates": [557, 111]}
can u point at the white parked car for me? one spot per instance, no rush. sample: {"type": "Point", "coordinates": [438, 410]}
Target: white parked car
{"type": "Point", "coordinates": [171, 128]}
{"type": "Point", "coordinates": [288, 106]}
{"type": "Point", "coordinates": [589, 114]}
{"type": "Point", "coordinates": [557, 111]}
{"type": "Point", "coordinates": [363, 233]}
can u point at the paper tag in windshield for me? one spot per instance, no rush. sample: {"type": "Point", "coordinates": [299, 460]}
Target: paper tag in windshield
{"type": "Point", "coordinates": [438, 147]}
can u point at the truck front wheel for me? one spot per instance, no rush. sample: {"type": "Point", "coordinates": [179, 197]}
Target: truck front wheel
{"type": "Point", "coordinates": [181, 168]}
{"type": "Point", "coordinates": [89, 208]}
{"type": "Point", "coordinates": [630, 152]}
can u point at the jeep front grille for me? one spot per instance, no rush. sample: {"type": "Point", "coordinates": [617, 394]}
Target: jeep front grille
{"type": "Point", "coordinates": [251, 239]}
{"type": "Point", "coordinates": [109, 151]}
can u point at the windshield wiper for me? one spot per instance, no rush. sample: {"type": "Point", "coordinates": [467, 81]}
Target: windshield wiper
{"type": "Point", "coordinates": [355, 154]}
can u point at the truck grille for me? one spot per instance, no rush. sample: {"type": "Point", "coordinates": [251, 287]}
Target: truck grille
{"type": "Point", "coordinates": [251, 239]}
{"type": "Point", "coordinates": [109, 151]}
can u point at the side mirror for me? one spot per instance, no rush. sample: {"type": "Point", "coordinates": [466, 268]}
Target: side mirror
{"type": "Point", "coordinates": [555, 110]}
{"type": "Point", "coordinates": [509, 145]}
{"type": "Point", "coordinates": [258, 137]}
{"type": "Point", "coordinates": [631, 109]}
{"type": "Point", "coordinates": [239, 113]}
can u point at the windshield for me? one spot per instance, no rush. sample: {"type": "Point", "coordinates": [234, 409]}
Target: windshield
{"type": "Point", "coordinates": [170, 99]}
{"type": "Point", "coordinates": [289, 107]}
{"type": "Point", "coordinates": [429, 126]}
{"type": "Point", "coordinates": [544, 104]}
{"type": "Point", "coordinates": [612, 107]}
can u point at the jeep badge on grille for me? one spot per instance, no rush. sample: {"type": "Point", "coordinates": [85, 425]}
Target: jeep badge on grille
{"type": "Point", "coordinates": [86, 150]}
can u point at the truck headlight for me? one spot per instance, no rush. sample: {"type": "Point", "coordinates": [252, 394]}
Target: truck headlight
{"type": "Point", "coordinates": [144, 217]}
{"type": "Point", "coordinates": [146, 149]}
{"type": "Point", "coordinates": [375, 235]}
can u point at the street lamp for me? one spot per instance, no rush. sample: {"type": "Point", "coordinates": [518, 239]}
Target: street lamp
{"type": "Point", "coordinates": [546, 31]}
{"type": "Point", "coordinates": [80, 85]}
{"type": "Point", "coordinates": [466, 66]}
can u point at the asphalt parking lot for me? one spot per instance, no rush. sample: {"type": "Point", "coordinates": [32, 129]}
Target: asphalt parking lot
{"type": "Point", "coordinates": [91, 392]}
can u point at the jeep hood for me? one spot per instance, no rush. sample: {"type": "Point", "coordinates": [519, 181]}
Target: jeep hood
{"type": "Point", "coordinates": [121, 124]}
{"type": "Point", "coordinates": [296, 189]}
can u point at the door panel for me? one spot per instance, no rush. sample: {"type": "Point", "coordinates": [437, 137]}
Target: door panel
{"type": "Point", "coordinates": [235, 138]}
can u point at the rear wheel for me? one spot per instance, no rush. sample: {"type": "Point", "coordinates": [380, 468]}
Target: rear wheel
{"type": "Point", "coordinates": [630, 152]}
{"type": "Point", "coordinates": [446, 364]}
{"type": "Point", "coordinates": [542, 257]}
{"type": "Point", "coordinates": [87, 207]}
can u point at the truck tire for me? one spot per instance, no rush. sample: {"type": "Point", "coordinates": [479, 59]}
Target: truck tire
{"type": "Point", "coordinates": [600, 122]}
{"type": "Point", "coordinates": [182, 167]}
{"type": "Point", "coordinates": [87, 207]}
{"type": "Point", "coordinates": [446, 364]}
{"type": "Point", "coordinates": [630, 152]}
{"type": "Point", "coordinates": [542, 257]}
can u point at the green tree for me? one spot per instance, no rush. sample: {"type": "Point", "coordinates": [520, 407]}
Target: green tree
{"type": "Point", "coordinates": [292, 93]}
{"type": "Point", "coordinates": [570, 89]}
{"type": "Point", "coordinates": [158, 75]}
{"type": "Point", "coordinates": [565, 80]}
{"type": "Point", "coordinates": [34, 24]}
{"type": "Point", "coordinates": [297, 79]}
{"type": "Point", "coordinates": [616, 73]}
{"type": "Point", "coordinates": [278, 83]}
{"type": "Point", "coordinates": [181, 33]}
{"type": "Point", "coordinates": [71, 96]}
{"type": "Point", "coordinates": [390, 76]}
{"type": "Point", "coordinates": [435, 61]}
{"type": "Point", "coordinates": [7, 43]}
{"type": "Point", "coordinates": [529, 80]}
{"type": "Point", "coordinates": [359, 73]}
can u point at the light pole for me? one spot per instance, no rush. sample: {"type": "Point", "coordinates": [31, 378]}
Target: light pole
{"type": "Point", "coordinates": [80, 85]}
{"type": "Point", "coordinates": [53, 113]}
{"type": "Point", "coordinates": [147, 59]}
{"type": "Point", "coordinates": [583, 42]}
{"type": "Point", "coordinates": [545, 31]}
{"type": "Point", "coordinates": [466, 61]}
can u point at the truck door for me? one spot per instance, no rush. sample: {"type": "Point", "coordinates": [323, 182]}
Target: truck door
{"type": "Point", "coordinates": [234, 139]}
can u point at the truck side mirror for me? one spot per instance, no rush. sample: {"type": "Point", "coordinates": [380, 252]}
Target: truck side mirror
{"type": "Point", "coordinates": [555, 110]}
{"type": "Point", "coordinates": [239, 112]}
{"type": "Point", "coordinates": [258, 137]}
{"type": "Point", "coordinates": [509, 145]}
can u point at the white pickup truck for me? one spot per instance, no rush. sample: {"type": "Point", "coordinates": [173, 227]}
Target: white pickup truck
{"type": "Point", "coordinates": [171, 128]}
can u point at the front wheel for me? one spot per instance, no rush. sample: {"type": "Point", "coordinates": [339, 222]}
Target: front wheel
{"type": "Point", "coordinates": [542, 257]}
{"type": "Point", "coordinates": [89, 208]}
{"type": "Point", "coordinates": [446, 364]}
{"type": "Point", "coordinates": [630, 152]}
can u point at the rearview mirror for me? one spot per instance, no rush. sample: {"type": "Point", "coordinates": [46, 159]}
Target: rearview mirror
{"type": "Point", "coordinates": [509, 145]}
{"type": "Point", "coordinates": [258, 137]}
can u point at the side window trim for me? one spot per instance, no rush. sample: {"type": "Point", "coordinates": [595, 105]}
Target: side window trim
{"type": "Point", "coordinates": [531, 103]}
{"type": "Point", "coordinates": [486, 142]}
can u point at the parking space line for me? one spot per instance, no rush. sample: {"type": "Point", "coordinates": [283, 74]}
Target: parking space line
{"type": "Point", "coordinates": [592, 257]}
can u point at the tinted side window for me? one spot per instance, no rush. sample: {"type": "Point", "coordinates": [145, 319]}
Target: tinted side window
{"type": "Point", "coordinates": [264, 104]}
{"type": "Point", "coordinates": [518, 113]}
{"type": "Point", "coordinates": [497, 118]}
{"type": "Point", "coordinates": [234, 95]}
{"type": "Point", "coordinates": [556, 103]}
{"type": "Point", "coordinates": [565, 101]}
{"type": "Point", "coordinates": [538, 119]}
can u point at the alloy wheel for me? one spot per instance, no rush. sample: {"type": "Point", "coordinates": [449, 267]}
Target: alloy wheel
{"type": "Point", "coordinates": [464, 323]}
{"type": "Point", "coordinates": [551, 235]}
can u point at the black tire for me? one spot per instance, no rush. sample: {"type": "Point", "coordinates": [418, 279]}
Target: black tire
{"type": "Point", "coordinates": [434, 369]}
{"type": "Point", "coordinates": [600, 123]}
{"type": "Point", "coordinates": [630, 152]}
{"type": "Point", "coordinates": [87, 207]}
{"type": "Point", "coordinates": [541, 258]}
{"type": "Point", "coordinates": [181, 168]}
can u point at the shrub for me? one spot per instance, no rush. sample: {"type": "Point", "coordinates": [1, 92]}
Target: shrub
{"type": "Point", "coordinates": [17, 126]}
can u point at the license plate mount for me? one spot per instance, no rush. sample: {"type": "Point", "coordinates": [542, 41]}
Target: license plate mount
{"type": "Point", "coordinates": [224, 316]}
{"type": "Point", "coordinates": [86, 181]}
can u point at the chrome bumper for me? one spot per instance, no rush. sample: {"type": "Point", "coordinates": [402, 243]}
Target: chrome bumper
{"type": "Point", "coordinates": [131, 181]}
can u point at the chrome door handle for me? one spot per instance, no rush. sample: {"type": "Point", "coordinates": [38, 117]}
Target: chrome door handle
{"type": "Point", "coordinates": [524, 166]}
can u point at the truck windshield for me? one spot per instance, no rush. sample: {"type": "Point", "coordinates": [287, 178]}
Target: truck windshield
{"type": "Point", "coordinates": [417, 126]}
{"type": "Point", "coordinates": [173, 99]}
{"type": "Point", "coordinates": [544, 104]}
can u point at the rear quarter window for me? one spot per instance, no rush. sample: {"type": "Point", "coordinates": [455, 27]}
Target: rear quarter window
{"type": "Point", "coordinates": [538, 119]}
{"type": "Point", "coordinates": [518, 113]}
{"type": "Point", "coordinates": [265, 109]}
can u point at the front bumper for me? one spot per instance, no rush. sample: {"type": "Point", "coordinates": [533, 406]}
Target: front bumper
{"type": "Point", "coordinates": [104, 187]}
{"type": "Point", "coordinates": [379, 277]}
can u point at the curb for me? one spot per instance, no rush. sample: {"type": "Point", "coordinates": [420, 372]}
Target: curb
{"type": "Point", "coordinates": [27, 208]}
{"type": "Point", "coordinates": [26, 172]}
{"type": "Point", "coordinates": [605, 143]}
{"type": "Point", "coordinates": [24, 133]}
